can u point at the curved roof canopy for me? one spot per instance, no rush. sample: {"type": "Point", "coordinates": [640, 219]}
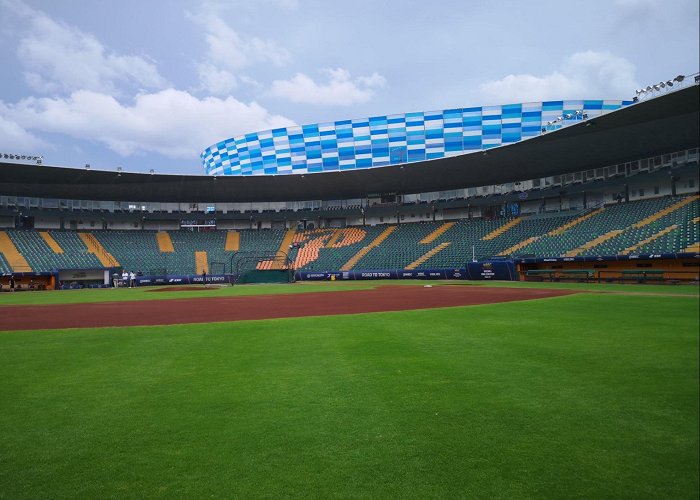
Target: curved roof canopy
{"type": "Point", "coordinates": [663, 124]}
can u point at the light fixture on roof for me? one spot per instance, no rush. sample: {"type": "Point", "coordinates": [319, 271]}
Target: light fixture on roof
{"type": "Point", "coordinates": [87, 166]}
{"type": "Point", "coordinates": [669, 83]}
{"type": "Point", "coordinates": [679, 78]}
{"type": "Point", "coordinates": [119, 171]}
{"type": "Point", "coordinates": [151, 171]}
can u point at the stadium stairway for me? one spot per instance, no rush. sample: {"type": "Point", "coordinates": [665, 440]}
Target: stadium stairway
{"type": "Point", "coordinates": [201, 262]}
{"type": "Point", "coordinates": [695, 247]}
{"type": "Point", "coordinates": [334, 238]}
{"type": "Point", "coordinates": [502, 229]}
{"type": "Point", "coordinates": [165, 243]}
{"type": "Point", "coordinates": [666, 211]}
{"type": "Point", "coordinates": [428, 255]}
{"type": "Point", "coordinates": [366, 249]}
{"type": "Point", "coordinates": [51, 242]}
{"type": "Point", "coordinates": [95, 247]}
{"type": "Point", "coordinates": [16, 260]}
{"type": "Point", "coordinates": [280, 261]}
{"type": "Point", "coordinates": [284, 249]}
{"type": "Point", "coordinates": [518, 246]}
{"type": "Point", "coordinates": [648, 240]}
{"type": "Point", "coordinates": [233, 241]}
{"type": "Point", "coordinates": [593, 243]}
{"type": "Point", "coordinates": [574, 222]}
{"type": "Point", "coordinates": [436, 234]}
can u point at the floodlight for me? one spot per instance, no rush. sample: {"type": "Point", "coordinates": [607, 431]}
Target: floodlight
{"type": "Point", "coordinates": [87, 166]}
{"type": "Point", "coordinates": [151, 171]}
{"type": "Point", "coordinates": [669, 83]}
{"type": "Point", "coordinates": [679, 78]}
{"type": "Point", "coordinates": [662, 84]}
{"type": "Point", "coordinates": [649, 88]}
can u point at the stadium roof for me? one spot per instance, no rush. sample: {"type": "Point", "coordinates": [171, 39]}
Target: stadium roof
{"type": "Point", "coordinates": [655, 126]}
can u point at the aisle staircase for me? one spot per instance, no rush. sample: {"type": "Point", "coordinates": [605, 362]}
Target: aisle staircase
{"type": "Point", "coordinates": [280, 259]}
{"type": "Point", "coordinates": [666, 211]}
{"type": "Point", "coordinates": [502, 229]}
{"type": "Point", "coordinates": [165, 242]}
{"type": "Point", "coordinates": [595, 242]}
{"type": "Point", "coordinates": [437, 233]}
{"type": "Point", "coordinates": [53, 245]}
{"type": "Point", "coordinates": [334, 237]}
{"type": "Point", "coordinates": [233, 241]}
{"type": "Point", "coordinates": [201, 262]}
{"type": "Point", "coordinates": [423, 258]}
{"type": "Point", "coordinates": [518, 246]}
{"type": "Point", "coordinates": [15, 259]}
{"type": "Point", "coordinates": [95, 247]}
{"type": "Point", "coordinates": [574, 222]}
{"type": "Point", "coordinates": [366, 249]}
{"type": "Point", "coordinates": [651, 238]}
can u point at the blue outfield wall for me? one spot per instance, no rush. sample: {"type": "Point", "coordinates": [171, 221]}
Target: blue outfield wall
{"type": "Point", "coordinates": [496, 270]}
{"type": "Point", "coordinates": [609, 258]}
{"type": "Point", "coordinates": [181, 279]}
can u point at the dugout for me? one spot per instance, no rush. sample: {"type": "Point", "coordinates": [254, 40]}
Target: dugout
{"type": "Point", "coordinates": [652, 268]}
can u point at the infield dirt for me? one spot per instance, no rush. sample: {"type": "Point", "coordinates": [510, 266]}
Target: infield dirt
{"type": "Point", "coordinates": [217, 309]}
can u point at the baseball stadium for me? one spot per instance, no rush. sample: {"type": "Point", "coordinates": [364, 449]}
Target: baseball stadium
{"type": "Point", "coordinates": [497, 301]}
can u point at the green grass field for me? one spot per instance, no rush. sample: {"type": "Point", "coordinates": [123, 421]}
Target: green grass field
{"type": "Point", "coordinates": [589, 395]}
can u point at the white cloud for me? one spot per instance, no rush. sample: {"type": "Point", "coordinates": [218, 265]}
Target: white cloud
{"type": "Point", "coordinates": [14, 138]}
{"type": "Point", "coordinates": [341, 89]}
{"type": "Point", "coordinates": [61, 58]}
{"type": "Point", "coordinates": [228, 52]}
{"type": "Point", "coordinates": [584, 75]}
{"type": "Point", "coordinates": [170, 122]}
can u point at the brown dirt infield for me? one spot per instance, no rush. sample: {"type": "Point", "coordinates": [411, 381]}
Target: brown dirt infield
{"type": "Point", "coordinates": [215, 309]}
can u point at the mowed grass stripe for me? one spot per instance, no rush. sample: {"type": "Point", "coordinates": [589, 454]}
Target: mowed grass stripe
{"type": "Point", "coordinates": [585, 395]}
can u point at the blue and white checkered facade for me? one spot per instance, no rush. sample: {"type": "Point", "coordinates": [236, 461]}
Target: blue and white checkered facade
{"type": "Point", "coordinates": [393, 139]}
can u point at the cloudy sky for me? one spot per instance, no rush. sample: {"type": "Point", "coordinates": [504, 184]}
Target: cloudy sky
{"type": "Point", "coordinates": [149, 84]}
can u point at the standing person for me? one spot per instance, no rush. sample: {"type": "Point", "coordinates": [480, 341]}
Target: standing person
{"type": "Point", "coordinates": [12, 282]}
{"type": "Point", "coordinates": [125, 278]}
{"type": "Point", "coordinates": [132, 279]}
{"type": "Point", "coordinates": [115, 279]}
{"type": "Point", "coordinates": [204, 277]}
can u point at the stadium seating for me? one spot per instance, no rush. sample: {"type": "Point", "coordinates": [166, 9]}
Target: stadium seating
{"type": "Point", "coordinates": [41, 257]}
{"type": "Point", "coordinates": [4, 265]}
{"type": "Point", "coordinates": [659, 225]}
{"type": "Point", "coordinates": [135, 250]}
{"type": "Point", "coordinates": [590, 236]}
